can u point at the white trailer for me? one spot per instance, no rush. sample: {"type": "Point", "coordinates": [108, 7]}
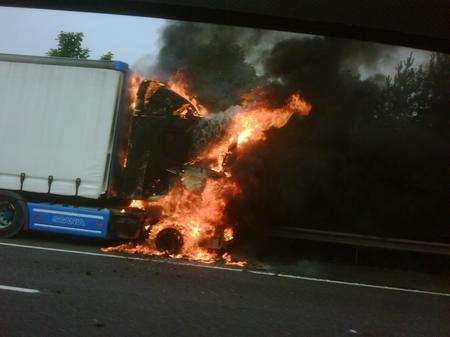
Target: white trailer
{"type": "Point", "coordinates": [58, 119]}
{"type": "Point", "coordinates": [59, 124]}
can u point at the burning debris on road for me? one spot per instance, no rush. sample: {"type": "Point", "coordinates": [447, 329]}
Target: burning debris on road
{"type": "Point", "coordinates": [191, 191]}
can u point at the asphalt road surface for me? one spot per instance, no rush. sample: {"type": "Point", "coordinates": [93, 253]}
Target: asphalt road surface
{"type": "Point", "coordinates": [61, 287]}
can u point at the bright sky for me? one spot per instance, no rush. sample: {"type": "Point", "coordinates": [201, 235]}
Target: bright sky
{"type": "Point", "coordinates": [33, 32]}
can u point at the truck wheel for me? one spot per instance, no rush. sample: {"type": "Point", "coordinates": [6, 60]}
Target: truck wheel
{"type": "Point", "coordinates": [169, 241]}
{"type": "Point", "coordinates": [13, 214]}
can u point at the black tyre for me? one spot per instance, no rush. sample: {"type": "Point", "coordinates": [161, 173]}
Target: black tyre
{"type": "Point", "coordinates": [169, 241]}
{"type": "Point", "coordinates": [13, 213]}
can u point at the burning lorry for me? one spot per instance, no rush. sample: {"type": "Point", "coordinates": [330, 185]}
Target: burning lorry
{"type": "Point", "coordinates": [88, 148]}
{"type": "Point", "coordinates": [76, 149]}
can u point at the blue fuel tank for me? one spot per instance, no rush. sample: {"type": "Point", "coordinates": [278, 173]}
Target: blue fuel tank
{"type": "Point", "coordinates": [55, 218]}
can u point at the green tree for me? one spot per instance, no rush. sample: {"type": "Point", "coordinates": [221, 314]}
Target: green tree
{"type": "Point", "coordinates": [69, 45]}
{"type": "Point", "coordinates": [417, 94]}
{"type": "Point", "coordinates": [404, 98]}
{"type": "Point", "coordinates": [107, 57]}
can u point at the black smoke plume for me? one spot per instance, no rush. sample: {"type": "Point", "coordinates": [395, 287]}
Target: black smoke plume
{"type": "Point", "coordinates": [371, 158]}
{"type": "Point", "coordinates": [220, 63]}
{"type": "Point", "coordinates": [212, 60]}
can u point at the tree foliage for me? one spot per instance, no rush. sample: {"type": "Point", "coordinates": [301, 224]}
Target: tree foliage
{"type": "Point", "coordinates": [107, 57]}
{"type": "Point", "coordinates": [70, 45]}
{"type": "Point", "coordinates": [416, 94]}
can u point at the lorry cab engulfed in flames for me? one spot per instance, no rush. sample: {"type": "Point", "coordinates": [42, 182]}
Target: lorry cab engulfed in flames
{"type": "Point", "coordinates": [160, 141]}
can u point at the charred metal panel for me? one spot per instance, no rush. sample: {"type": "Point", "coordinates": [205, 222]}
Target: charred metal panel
{"type": "Point", "coordinates": [160, 143]}
{"type": "Point", "coordinates": [126, 225]}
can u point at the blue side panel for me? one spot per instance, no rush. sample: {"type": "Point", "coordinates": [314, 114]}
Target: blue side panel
{"type": "Point", "coordinates": [81, 221]}
{"type": "Point", "coordinates": [121, 66]}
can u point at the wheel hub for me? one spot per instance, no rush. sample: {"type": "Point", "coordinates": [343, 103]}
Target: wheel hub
{"type": "Point", "coordinates": [7, 212]}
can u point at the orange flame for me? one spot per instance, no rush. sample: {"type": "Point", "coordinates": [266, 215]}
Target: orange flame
{"type": "Point", "coordinates": [198, 213]}
{"type": "Point", "coordinates": [249, 126]}
{"type": "Point", "coordinates": [178, 84]}
{"type": "Point", "coordinates": [134, 80]}
{"type": "Point", "coordinates": [226, 257]}
{"type": "Point", "coordinates": [139, 204]}
{"type": "Point", "coordinates": [228, 234]}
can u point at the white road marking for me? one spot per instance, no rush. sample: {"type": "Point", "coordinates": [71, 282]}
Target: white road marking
{"type": "Point", "coordinates": [260, 272]}
{"type": "Point", "coordinates": [22, 290]}
{"type": "Point", "coordinates": [364, 285]}
{"type": "Point", "coordinates": [72, 251]}
{"type": "Point", "coordinates": [257, 272]}
{"type": "Point", "coordinates": [189, 264]}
